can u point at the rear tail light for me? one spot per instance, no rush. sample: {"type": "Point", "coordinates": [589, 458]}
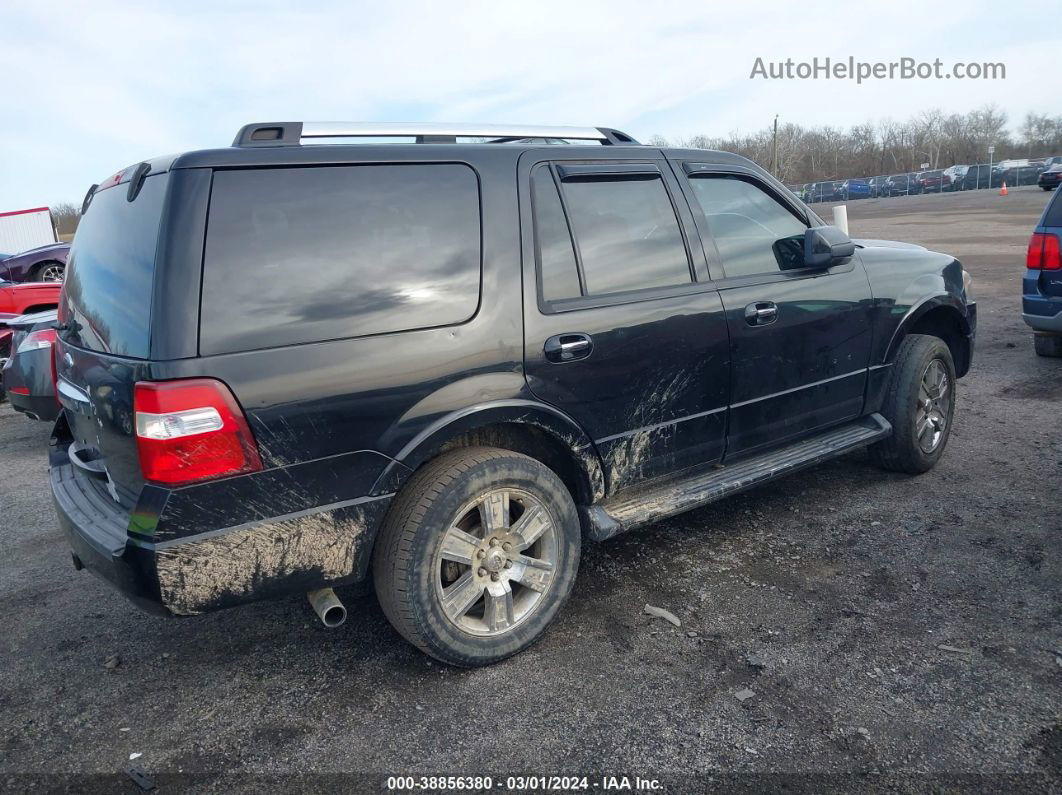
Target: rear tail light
{"type": "Point", "coordinates": [191, 430]}
{"type": "Point", "coordinates": [35, 340]}
{"type": "Point", "coordinates": [1044, 253]}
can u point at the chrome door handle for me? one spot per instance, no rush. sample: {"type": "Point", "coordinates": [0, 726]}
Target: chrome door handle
{"type": "Point", "coordinates": [568, 347]}
{"type": "Point", "coordinates": [761, 313]}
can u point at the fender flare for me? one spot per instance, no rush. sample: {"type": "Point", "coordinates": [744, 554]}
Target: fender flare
{"type": "Point", "coordinates": [919, 310]}
{"type": "Point", "coordinates": [560, 426]}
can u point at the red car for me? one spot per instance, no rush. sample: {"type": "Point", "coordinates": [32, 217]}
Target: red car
{"type": "Point", "coordinates": [18, 299]}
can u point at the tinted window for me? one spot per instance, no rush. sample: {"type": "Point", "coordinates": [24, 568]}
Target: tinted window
{"type": "Point", "coordinates": [1053, 213]}
{"type": "Point", "coordinates": [627, 234]}
{"type": "Point", "coordinates": [751, 230]}
{"type": "Point", "coordinates": [308, 254]}
{"type": "Point", "coordinates": [111, 270]}
{"type": "Point", "coordinates": [553, 241]}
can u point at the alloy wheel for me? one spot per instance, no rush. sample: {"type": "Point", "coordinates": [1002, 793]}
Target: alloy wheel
{"type": "Point", "coordinates": [496, 561]}
{"type": "Point", "coordinates": [52, 273]}
{"type": "Point", "coordinates": [934, 406]}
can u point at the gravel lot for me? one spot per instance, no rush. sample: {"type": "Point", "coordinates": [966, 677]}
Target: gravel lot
{"type": "Point", "coordinates": [896, 632]}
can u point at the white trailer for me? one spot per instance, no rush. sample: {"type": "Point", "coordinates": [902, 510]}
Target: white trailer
{"type": "Point", "coordinates": [21, 230]}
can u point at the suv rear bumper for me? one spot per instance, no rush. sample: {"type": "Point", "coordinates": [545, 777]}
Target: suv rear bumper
{"type": "Point", "coordinates": [1044, 322]}
{"type": "Point", "coordinates": [98, 537]}
{"type": "Point", "coordinates": [219, 568]}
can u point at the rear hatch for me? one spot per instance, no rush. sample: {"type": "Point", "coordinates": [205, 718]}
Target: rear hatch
{"type": "Point", "coordinates": [104, 334]}
{"type": "Point", "coordinates": [1050, 278]}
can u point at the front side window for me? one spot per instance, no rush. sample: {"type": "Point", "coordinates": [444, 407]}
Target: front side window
{"type": "Point", "coordinates": [753, 232]}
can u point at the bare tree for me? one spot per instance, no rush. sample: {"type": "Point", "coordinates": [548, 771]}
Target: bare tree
{"type": "Point", "coordinates": [66, 217]}
{"type": "Point", "coordinates": [807, 154]}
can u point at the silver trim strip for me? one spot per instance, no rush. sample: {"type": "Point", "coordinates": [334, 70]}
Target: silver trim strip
{"type": "Point", "coordinates": [698, 415]}
{"type": "Point", "coordinates": [332, 129]}
{"type": "Point", "coordinates": [287, 517]}
{"type": "Point", "coordinates": [861, 371]}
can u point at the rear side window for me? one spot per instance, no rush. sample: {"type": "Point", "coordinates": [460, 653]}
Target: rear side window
{"type": "Point", "coordinates": [753, 232]}
{"type": "Point", "coordinates": [296, 255]}
{"type": "Point", "coordinates": [111, 268]}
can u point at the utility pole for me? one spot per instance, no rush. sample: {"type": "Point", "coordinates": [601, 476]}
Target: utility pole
{"type": "Point", "coordinates": [774, 148]}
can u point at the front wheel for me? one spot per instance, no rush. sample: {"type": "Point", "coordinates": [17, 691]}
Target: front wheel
{"type": "Point", "coordinates": [477, 555]}
{"type": "Point", "coordinates": [920, 404]}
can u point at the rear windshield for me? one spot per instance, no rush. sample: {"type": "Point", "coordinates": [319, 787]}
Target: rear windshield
{"type": "Point", "coordinates": [110, 270]}
{"type": "Point", "coordinates": [1053, 213]}
{"type": "Point", "coordinates": [296, 255]}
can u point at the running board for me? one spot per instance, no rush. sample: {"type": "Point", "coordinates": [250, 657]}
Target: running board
{"type": "Point", "coordinates": [640, 506]}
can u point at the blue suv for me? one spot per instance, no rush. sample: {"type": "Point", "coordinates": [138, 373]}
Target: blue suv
{"type": "Point", "coordinates": [1041, 301]}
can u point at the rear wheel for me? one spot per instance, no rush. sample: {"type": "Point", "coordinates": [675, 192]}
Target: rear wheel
{"type": "Point", "coordinates": [920, 404]}
{"type": "Point", "coordinates": [477, 555]}
{"type": "Point", "coordinates": [1048, 345]}
{"type": "Point", "coordinates": [49, 272]}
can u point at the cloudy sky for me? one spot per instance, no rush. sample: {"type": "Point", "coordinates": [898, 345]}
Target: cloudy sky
{"type": "Point", "coordinates": [92, 87]}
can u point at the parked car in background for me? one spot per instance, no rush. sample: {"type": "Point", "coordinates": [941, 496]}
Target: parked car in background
{"type": "Point", "coordinates": [955, 178]}
{"type": "Point", "coordinates": [21, 299]}
{"type": "Point", "coordinates": [1050, 178]}
{"type": "Point", "coordinates": [828, 191]}
{"type": "Point", "coordinates": [877, 186]}
{"type": "Point", "coordinates": [1041, 300]}
{"type": "Point", "coordinates": [41, 264]}
{"type": "Point", "coordinates": [855, 189]}
{"type": "Point", "coordinates": [930, 181]}
{"type": "Point", "coordinates": [1016, 172]}
{"type": "Point", "coordinates": [453, 416]}
{"type": "Point", "coordinates": [27, 379]}
{"type": "Point", "coordinates": [896, 185]}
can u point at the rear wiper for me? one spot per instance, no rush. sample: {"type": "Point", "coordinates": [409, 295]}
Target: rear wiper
{"type": "Point", "coordinates": [73, 325]}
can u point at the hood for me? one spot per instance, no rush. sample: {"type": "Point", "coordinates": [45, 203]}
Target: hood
{"type": "Point", "coordinates": [871, 243]}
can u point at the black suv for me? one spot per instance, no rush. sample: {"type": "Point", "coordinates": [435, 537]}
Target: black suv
{"type": "Point", "coordinates": [444, 363]}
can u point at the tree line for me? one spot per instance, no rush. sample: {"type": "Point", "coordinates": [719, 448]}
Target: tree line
{"type": "Point", "coordinates": [802, 154]}
{"type": "Point", "coordinates": [808, 154]}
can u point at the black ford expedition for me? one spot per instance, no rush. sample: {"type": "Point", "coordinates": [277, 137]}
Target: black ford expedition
{"type": "Point", "coordinates": [443, 363]}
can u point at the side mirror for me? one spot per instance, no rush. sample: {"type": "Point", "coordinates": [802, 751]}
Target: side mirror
{"type": "Point", "coordinates": [825, 246]}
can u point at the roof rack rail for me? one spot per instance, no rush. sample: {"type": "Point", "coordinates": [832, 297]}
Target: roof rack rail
{"type": "Point", "coordinates": [290, 133]}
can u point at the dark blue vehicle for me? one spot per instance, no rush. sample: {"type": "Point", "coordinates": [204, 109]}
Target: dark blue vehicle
{"type": "Point", "coordinates": [1041, 300]}
{"type": "Point", "coordinates": [855, 189]}
{"type": "Point", "coordinates": [444, 366]}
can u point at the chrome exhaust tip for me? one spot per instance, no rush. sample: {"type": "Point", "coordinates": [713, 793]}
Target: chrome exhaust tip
{"type": "Point", "coordinates": [328, 607]}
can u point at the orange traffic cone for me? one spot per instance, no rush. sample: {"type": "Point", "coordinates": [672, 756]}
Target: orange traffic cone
{"type": "Point", "coordinates": [1003, 190]}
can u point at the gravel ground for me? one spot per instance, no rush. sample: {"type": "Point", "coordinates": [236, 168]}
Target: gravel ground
{"type": "Point", "coordinates": [894, 632]}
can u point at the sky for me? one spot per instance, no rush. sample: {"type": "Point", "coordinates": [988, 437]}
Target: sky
{"type": "Point", "coordinates": [93, 87]}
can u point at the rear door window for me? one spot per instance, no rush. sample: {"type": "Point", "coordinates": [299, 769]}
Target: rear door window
{"type": "Point", "coordinates": [111, 268]}
{"type": "Point", "coordinates": [626, 233]}
{"type": "Point", "coordinates": [297, 255]}
{"type": "Point", "coordinates": [558, 270]}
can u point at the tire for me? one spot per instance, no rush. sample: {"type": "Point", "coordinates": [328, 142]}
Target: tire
{"type": "Point", "coordinates": [448, 500]}
{"type": "Point", "coordinates": [1049, 345]}
{"type": "Point", "coordinates": [904, 406]}
{"type": "Point", "coordinates": [49, 272]}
